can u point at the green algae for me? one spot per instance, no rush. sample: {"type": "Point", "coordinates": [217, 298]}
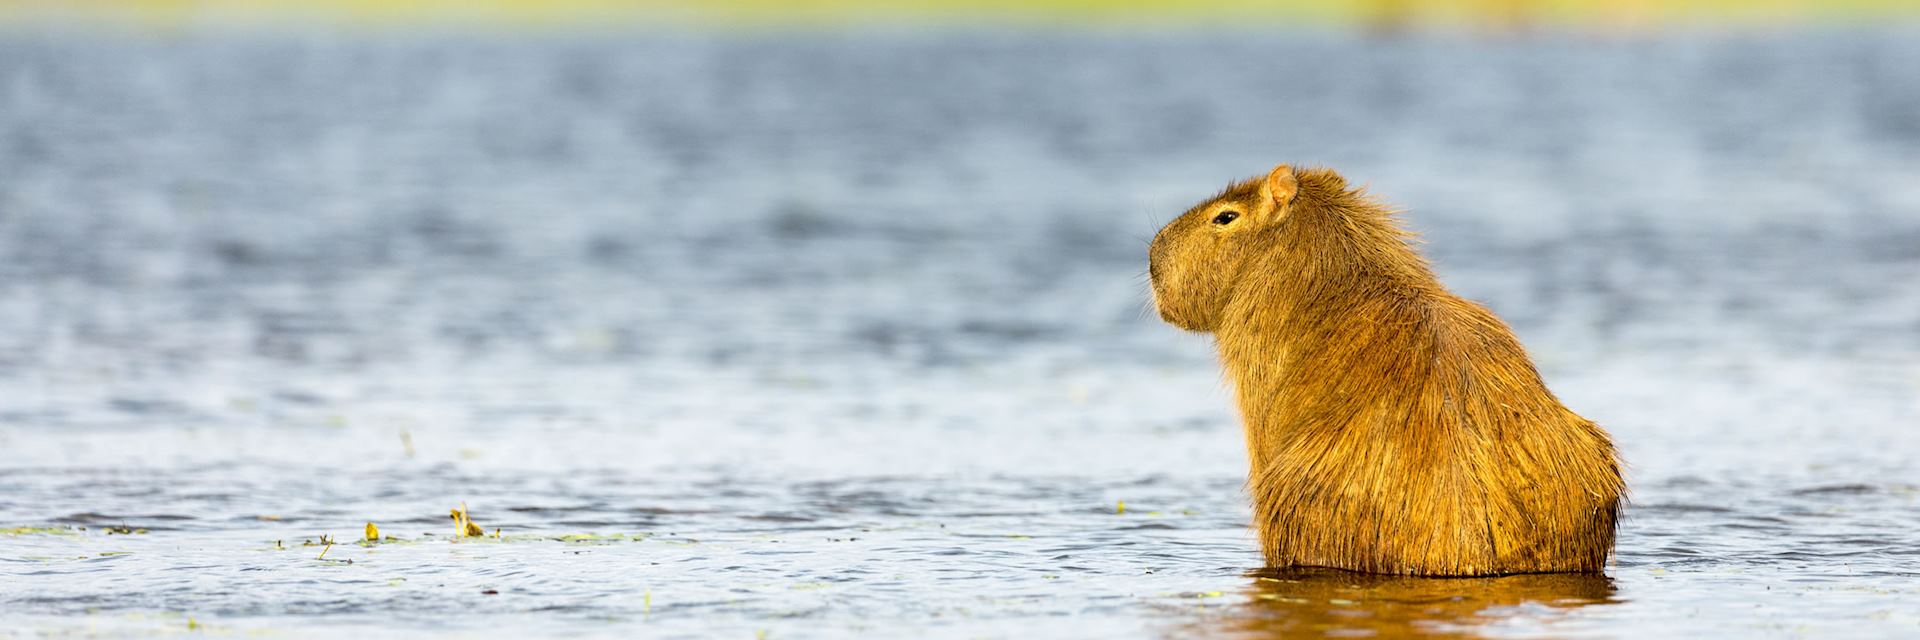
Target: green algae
{"type": "Point", "coordinates": [39, 531]}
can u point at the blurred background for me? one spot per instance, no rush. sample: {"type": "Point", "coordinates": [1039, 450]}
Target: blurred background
{"type": "Point", "coordinates": [828, 318]}
{"type": "Point", "coordinates": [520, 14]}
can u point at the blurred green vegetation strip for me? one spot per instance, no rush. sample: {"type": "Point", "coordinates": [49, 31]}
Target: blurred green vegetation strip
{"type": "Point", "coordinates": [830, 12]}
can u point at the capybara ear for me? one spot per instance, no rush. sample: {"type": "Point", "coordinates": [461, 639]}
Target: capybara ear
{"type": "Point", "coordinates": [1281, 186]}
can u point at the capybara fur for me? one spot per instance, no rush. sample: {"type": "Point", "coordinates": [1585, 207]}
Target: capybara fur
{"type": "Point", "coordinates": [1392, 427]}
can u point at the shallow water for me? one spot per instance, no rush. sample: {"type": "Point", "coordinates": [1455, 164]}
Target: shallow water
{"type": "Point", "coordinates": [826, 335]}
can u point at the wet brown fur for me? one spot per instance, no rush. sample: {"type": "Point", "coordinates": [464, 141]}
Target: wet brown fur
{"type": "Point", "coordinates": [1392, 427]}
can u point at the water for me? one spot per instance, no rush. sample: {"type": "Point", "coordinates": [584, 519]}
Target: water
{"type": "Point", "coordinates": [845, 334]}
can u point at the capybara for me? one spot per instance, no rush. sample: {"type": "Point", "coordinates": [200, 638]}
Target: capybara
{"type": "Point", "coordinates": [1392, 427]}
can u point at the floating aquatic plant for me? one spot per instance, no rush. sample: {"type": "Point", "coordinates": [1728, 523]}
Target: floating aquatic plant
{"type": "Point", "coordinates": [463, 526]}
{"type": "Point", "coordinates": [31, 531]}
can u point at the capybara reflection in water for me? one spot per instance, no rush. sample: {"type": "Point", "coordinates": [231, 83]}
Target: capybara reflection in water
{"type": "Point", "coordinates": [1392, 426]}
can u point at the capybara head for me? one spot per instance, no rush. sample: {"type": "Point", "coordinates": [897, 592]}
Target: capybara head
{"type": "Point", "coordinates": [1195, 260]}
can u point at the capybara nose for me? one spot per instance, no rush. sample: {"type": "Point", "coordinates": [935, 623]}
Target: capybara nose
{"type": "Point", "coordinates": [1153, 271]}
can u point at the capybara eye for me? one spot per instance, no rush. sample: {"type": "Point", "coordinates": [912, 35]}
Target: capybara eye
{"type": "Point", "coordinates": [1226, 217]}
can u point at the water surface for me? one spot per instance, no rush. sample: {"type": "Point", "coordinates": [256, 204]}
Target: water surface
{"type": "Point", "coordinates": [844, 334]}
